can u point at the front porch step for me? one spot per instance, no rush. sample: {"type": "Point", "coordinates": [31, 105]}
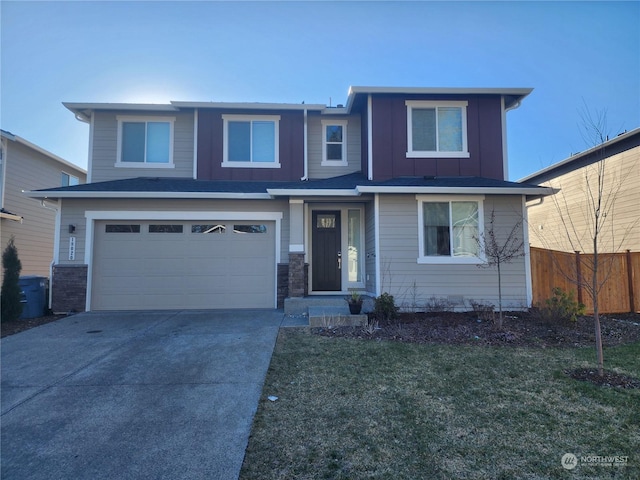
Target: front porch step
{"type": "Point", "coordinates": [334, 316]}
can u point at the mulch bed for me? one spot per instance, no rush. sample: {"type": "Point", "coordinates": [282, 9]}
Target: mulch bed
{"type": "Point", "coordinates": [17, 326]}
{"type": "Point", "coordinates": [520, 329]}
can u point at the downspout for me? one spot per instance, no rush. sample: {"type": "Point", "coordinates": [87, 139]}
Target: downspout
{"type": "Point", "coordinates": [505, 157]}
{"type": "Point", "coordinates": [305, 176]}
{"type": "Point", "coordinates": [369, 138]}
{"type": "Point", "coordinates": [56, 246]}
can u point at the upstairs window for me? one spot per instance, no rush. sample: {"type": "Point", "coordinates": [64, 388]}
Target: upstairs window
{"type": "Point", "coordinates": [145, 141]}
{"type": "Point", "coordinates": [449, 230]}
{"type": "Point", "coordinates": [334, 142]}
{"type": "Point", "coordinates": [251, 141]}
{"type": "Point", "coordinates": [436, 129]}
{"type": "Point", "coordinates": [69, 180]}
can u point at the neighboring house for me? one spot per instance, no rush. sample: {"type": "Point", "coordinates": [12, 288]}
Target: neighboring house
{"type": "Point", "coordinates": [565, 222]}
{"type": "Point", "coordinates": [25, 166]}
{"type": "Point", "coordinates": [241, 205]}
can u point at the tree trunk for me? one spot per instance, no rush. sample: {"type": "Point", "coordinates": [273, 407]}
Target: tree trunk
{"type": "Point", "coordinates": [499, 298]}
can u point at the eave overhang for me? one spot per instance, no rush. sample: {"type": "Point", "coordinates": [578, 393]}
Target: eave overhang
{"type": "Point", "coordinates": [147, 195]}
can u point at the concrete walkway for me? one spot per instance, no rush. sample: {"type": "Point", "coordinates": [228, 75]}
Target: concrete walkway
{"type": "Point", "coordinates": [134, 395]}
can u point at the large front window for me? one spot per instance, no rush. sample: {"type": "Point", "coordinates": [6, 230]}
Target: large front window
{"type": "Point", "coordinates": [145, 141]}
{"type": "Point", "coordinates": [251, 141]}
{"type": "Point", "coordinates": [436, 129]}
{"type": "Point", "coordinates": [450, 230]}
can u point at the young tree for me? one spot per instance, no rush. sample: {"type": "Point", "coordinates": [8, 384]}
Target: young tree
{"type": "Point", "coordinates": [11, 308]}
{"type": "Point", "coordinates": [499, 251]}
{"type": "Point", "coordinates": [589, 225]}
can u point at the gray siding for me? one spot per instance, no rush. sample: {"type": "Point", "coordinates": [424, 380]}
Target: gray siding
{"type": "Point", "coordinates": [105, 148]}
{"type": "Point", "coordinates": [28, 169]}
{"type": "Point", "coordinates": [74, 212]}
{"type": "Point", "coordinates": [314, 142]}
{"type": "Point", "coordinates": [570, 207]}
{"type": "Point", "coordinates": [415, 284]}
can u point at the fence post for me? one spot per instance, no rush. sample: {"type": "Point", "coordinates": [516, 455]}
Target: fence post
{"type": "Point", "coordinates": [579, 276]}
{"type": "Point", "coordinates": [632, 305]}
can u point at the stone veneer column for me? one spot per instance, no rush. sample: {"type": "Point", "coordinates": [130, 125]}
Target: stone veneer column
{"type": "Point", "coordinates": [297, 284]}
{"type": "Point", "coordinates": [69, 288]}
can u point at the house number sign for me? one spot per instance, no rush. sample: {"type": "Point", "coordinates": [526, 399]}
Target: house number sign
{"type": "Point", "coordinates": [72, 248]}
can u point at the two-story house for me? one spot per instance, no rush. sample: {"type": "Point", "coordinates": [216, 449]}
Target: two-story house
{"type": "Point", "coordinates": [26, 166]}
{"type": "Point", "coordinates": [239, 205]}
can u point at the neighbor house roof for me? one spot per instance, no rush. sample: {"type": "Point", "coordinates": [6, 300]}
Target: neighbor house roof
{"type": "Point", "coordinates": [621, 143]}
{"type": "Point", "coordinates": [354, 184]}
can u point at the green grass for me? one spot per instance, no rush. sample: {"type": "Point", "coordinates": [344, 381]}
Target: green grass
{"type": "Point", "coordinates": [351, 409]}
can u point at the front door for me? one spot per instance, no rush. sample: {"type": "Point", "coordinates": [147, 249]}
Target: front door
{"type": "Point", "coordinates": [326, 257]}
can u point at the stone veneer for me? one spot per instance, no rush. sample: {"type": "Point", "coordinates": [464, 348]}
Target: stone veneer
{"type": "Point", "coordinates": [69, 288]}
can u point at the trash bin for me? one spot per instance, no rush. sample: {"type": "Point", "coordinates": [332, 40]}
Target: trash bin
{"type": "Point", "coordinates": [34, 290]}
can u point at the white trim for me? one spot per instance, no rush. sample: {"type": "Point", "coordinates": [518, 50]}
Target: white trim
{"type": "Point", "coordinates": [369, 138]}
{"type": "Point", "coordinates": [156, 195]}
{"type": "Point", "coordinates": [334, 163]}
{"type": "Point", "coordinates": [296, 200]}
{"type": "Point", "coordinates": [226, 118]}
{"type": "Point", "coordinates": [437, 153]}
{"type": "Point", "coordinates": [527, 251]}
{"type": "Point", "coordinates": [296, 248]}
{"type": "Point", "coordinates": [95, 215]}
{"type": "Point", "coordinates": [144, 119]}
{"type": "Point", "coordinates": [314, 193]}
{"type": "Point", "coordinates": [458, 190]}
{"type": "Point", "coordinates": [449, 259]}
{"type": "Point", "coordinates": [195, 144]}
{"type": "Point", "coordinates": [376, 226]}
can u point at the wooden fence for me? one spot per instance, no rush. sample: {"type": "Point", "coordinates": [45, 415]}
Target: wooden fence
{"type": "Point", "coordinates": [619, 274]}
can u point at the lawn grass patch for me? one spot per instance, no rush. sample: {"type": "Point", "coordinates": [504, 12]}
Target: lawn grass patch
{"type": "Point", "coordinates": [350, 409]}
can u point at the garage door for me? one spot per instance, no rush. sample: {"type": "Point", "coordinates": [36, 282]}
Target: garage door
{"type": "Point", "coordinates": [183, 265]}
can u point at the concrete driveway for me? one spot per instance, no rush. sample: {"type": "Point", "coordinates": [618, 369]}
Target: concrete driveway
{"type": "Point", "coordinates": [135, 395]}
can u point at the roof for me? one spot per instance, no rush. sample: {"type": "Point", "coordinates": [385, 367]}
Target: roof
{"type": "Point", "coordinates": [622, 142]}
{"type": "Point", "coordinates": [512, 96]}
{"type": "Point", "coordinates": [15, 138]}
{"type": "Point", "coordinates": [354, 184]}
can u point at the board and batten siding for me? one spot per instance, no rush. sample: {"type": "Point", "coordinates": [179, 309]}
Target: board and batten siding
{"type": "Point", "coordinates": [414, 285]}
{"type": "Point", "coordinates": [74, 213]}
{"type": "Point", "coordinates": [621, 229]}
{"type": "Point", "coordinates": [105, 147]}
{"type": "Point", "coordinates": [314, 142]}
{"type": "Point", "coordinates": [27, 169]}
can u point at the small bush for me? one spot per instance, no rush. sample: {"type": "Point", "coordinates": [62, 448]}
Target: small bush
{"type": "Point", "coordinates": [10, 306]}
{"type": "Point", "coordinates": [438, 305]}
{"type": "Point", "coordinates": [385, 307]}
{"type": "Point", "coordinates": [562, 307]}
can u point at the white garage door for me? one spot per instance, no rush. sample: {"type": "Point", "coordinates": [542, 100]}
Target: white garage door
{"type": "Point", "coordinates": [183, 265]}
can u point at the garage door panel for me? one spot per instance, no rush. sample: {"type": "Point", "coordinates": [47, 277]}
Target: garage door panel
{"type": "Point", "coordinates": [184, 270]}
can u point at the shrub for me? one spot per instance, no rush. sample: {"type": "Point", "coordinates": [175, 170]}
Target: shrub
{"type": "Point", "coordinates": [10, 306]}
{"type": "Point", "coordinates": [561, 307]}
{"type": "Point", "coordinates": [385, 307]}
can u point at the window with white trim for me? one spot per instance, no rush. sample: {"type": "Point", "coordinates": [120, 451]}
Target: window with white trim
{"type": "Point", "coordinates": [69, 180]}
{"type": "Point", "coordinates": [145, 141]}
{"type": "Point", "coordinates": [251, 141]}
{"type": "Point", "coordinates": [449, 230]}
{"type": "Point", "coordinates": [334, 142]}
{"type": "Point", "coordinates": [437, 129]}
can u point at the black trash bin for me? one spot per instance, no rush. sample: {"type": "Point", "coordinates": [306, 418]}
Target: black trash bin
{"type": "Point", "coordinates": [34, 289]}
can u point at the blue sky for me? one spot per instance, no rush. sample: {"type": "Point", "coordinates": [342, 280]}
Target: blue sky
{"type": "Point", "coordinates": [572, 53]}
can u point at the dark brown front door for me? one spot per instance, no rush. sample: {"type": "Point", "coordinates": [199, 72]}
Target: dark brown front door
{"type": "Point", "coordinates": [326, 258]}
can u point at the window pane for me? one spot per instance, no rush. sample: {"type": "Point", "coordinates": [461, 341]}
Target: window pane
{"type": "Point", "coordinates": [122, 228]}
{"type": "Point", "coordinates": [165, 228]}
{"type": "Point", "coordinates": [464, 216]}
{"type": "Point", "coordinates": [326, 221]}
{"type": "Point", "coordinates": [133, 142]}
{"type": "Point", "coordinates": [334, 151]}
{"type": "Point", "coordinates": [158, 142]}
{"type": "Point", "coordinates": [334, 133]}
{"type": "Point", "coordinates": [354, 246]}
{"type": "Point", "coordinates": [249, 229]}
{"type": "Point", "coordinates": [65, 180]}
{"type": "Point", "coordinates": [450, 129]}
{"type": "Point", "coordinates": [436, 229]}
{"type": "Point", "coordinates": [263, 141]}
{"type": "Point", "coordinates": [208, 228]}
{"type": "Point", "coordinates": [423, 129]}
{"type": "Point", "coordinates": [239, 141]}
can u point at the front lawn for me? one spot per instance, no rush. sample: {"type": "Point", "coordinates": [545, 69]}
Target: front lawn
{"type": "Point", "coordinates": [352, 409]}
